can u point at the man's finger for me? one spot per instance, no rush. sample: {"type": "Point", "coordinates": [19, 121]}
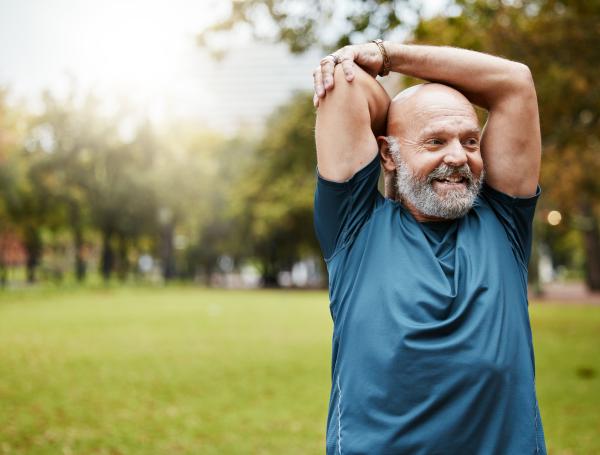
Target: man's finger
{"type": "Point", "coordinates": [348, 67]}
{"type": "Point", "coordinates": [327, 67]}
{"type": "Point", "coordinates": [318, 82]}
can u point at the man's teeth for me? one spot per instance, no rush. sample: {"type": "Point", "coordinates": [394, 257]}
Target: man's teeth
{"type": "Point", "coordinates": [452, 180]}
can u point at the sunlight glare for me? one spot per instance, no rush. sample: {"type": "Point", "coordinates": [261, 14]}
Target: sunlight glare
{"type": "Point", "coordinates": [138, 50]}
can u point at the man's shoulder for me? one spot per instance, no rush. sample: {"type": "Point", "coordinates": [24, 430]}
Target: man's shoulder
{"type": "Point", "coordinates": [377, 229]}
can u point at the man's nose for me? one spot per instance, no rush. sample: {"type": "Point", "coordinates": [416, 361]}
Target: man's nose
{"type": "Point", "coordinates": [455, 155]}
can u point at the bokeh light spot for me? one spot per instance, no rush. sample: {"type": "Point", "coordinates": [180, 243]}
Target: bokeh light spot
{"type": "Point", "coordinates": [554, 218]}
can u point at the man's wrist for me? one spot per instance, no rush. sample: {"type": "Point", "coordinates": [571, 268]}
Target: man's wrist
{"type": "Point", "coordinates": [386, 63]}
{"type": "Point", "coordinates": [399, 54]}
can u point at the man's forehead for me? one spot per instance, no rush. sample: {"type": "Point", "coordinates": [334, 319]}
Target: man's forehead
{"type": "Point", "coordinates": [449, 124]}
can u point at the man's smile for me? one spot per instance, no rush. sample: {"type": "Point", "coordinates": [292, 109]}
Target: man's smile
{"type": "Point", "coordinates": [445, 180]}
{"type": "Point", "coordinates": [448, 184]}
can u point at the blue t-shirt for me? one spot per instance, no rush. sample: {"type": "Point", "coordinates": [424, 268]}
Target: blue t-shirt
{"type": "Point", "coordinates": [432, 350]}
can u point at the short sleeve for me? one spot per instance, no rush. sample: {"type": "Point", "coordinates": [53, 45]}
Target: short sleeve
{"type": "Point", "coordinates": [342, 208]}
{"type": "Point", "coordinates": [516, 215]}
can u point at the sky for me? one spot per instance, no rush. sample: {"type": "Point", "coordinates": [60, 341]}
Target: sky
{"type": "Point", "coordinates": [145, 52]}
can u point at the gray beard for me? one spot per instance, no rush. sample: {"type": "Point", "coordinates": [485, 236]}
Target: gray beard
{"type": "Point", "coordinates": [422, 196]}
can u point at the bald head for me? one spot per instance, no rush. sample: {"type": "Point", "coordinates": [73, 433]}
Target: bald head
{"type": "Point", "coordinates": [419, 105]}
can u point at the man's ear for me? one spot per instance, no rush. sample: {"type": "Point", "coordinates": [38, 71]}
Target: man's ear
{"type": "Point", "coordinates": [385, 153]}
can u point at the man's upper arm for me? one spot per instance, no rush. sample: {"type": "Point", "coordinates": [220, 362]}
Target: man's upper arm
{"type": "Point", "coordinates": [348, 119]}
{"type": "Point", "coordinates": [511, 143]}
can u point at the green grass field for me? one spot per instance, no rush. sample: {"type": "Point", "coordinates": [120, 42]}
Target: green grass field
{"type": "Point", "coordinates": [189, 371]}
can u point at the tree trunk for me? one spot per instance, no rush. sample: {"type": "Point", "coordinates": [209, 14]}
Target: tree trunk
{"type": "Point", "coordinates": [591, 241]}
{"type": "Point", "coordinates": [107, 254]}
{"type": "Point", "coordinates": [3, 275]}
{"type": "Point", "coordinates": [123, 264]}
{"type": "Point", "coordinates": [167, 251]}
{"type": "Point", "coordinates": [80, 265]}
{"type": "Point", "coordinates": [33, 245]}
{"type": "Point", "coordinates": [270, 272]}
{"type": "Point", "coordinates": [269, 278]}
{"type": "Point", "coordinates": [273, 262]}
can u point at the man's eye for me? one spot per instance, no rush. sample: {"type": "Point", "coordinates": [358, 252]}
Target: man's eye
{"type": "Point", "coordinates": [435, 142]}
{"type": "Point", "coordinates": [472, 142]}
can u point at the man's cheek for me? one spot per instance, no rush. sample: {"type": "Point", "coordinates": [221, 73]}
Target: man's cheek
{"type": "Point", "coordinates": [476, 166]}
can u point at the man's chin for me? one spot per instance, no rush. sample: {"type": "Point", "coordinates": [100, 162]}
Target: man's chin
{"type": "Point", "coordinates": [453, 200]}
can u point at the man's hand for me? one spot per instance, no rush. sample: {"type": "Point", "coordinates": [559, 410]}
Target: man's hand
{"type": "Point", "coordinates": [367, 56]}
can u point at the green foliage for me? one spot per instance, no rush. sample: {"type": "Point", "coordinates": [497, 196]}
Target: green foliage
{"type": "Point", "coordinates": [302, 24]}
{"type": "Point", "coordinates": [183, 195]}
{"type": "Point", "coordinates": [71, 169]}
{"type": "Point", "coordinates": [213, 221]}
{"type": "Point", "coordinates": [274, 203]}
{"type": "Point", "coordinates": [26, 207]}
{"type": "Point", "coordinates": [90, 175]}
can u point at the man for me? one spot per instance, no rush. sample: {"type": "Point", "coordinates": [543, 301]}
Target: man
{"type": "Point", "coordinates": [432, 350]}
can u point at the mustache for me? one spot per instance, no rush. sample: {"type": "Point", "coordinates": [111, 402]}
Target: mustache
{"type": "Point", "coordinates": [444, 171]}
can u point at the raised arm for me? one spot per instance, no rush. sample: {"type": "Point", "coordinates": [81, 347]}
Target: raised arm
{"type": "Point", "coordinates": [348, 121]}
{"type": "Point", "coordinates": [511, 144]}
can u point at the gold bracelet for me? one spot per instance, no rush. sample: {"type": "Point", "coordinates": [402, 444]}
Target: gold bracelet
{"type": "Point", "coordinates": [385, 69]}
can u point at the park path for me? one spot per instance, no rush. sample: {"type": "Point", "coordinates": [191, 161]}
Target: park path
{"type": "Point", "coordinates": [568, 293]}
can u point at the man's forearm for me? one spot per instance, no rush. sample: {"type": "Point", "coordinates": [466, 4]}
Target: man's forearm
{"type": "Point", "coordinates": [483, 78]}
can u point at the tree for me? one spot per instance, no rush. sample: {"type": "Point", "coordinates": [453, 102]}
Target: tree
{"type": "Point", "coordinates": [186, 184]}
{"type": "Point", "coordinates": [23, 208]}
{"type": "Point", "coordinates": [122, 199]}
{"type": "Point", "coordinates": [9, 141]}
{"type": "Point", "coordinates": [94, 177]}
{"type": "Point", "coordinates": [28, 207]}
{"type": "Point", "coordinates": [275, 204]}
{"type": "Point", "coordinates": [26, 203]}
{"type": "Point", "coordinates": [221, 229]}
{"type": "Point", "coordinates": [302, 24]}
{"type": "Point", "coordinates": [62, 136]}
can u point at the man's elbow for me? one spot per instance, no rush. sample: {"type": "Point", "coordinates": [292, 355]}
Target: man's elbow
{"type": "Point", "coordinates": [516, 82]}
{"type": "Point", "coordinates": [344, 94]}
{"type": "Point", "coordinates": [362, 91]}
{"type": "Point", "coordinates": [523, 77]}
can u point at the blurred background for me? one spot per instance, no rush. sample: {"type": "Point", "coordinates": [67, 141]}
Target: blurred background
{"type": "Point", "coordinates": [157, 169]}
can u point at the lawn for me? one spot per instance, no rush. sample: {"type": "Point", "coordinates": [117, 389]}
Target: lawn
{"type": "Point", "coordinates": [191, 371]}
